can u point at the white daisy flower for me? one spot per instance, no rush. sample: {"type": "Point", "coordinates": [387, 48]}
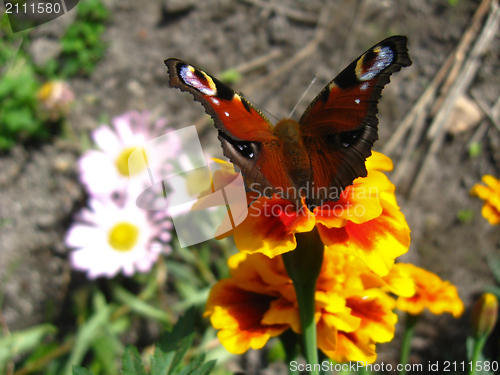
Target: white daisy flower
{"type": "Point", "coordinates": [109, 238]}
{"type": "Point", "coordinates": [106, 171]}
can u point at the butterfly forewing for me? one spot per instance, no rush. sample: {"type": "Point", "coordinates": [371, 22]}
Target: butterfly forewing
{"type": "Point", "coordinates": [339, 127]}
{"type": "Point", "coordinates": [246, 135]}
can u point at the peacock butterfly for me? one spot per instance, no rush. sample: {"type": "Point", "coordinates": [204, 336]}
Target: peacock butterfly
{"type": "Point", "coordinates": [318, 156]}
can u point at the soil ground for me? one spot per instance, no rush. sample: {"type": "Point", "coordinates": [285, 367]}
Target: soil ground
{"type": "Point", "coordinates": [39, 187]}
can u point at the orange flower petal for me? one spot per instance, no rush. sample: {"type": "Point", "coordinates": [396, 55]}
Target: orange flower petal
{"type": "Point", "coordinates": [283, 312]}
{"type": "Point", "coordinates": [377, 318]}
{"type": "Point", "coordinates": [437, 295]}
{"type": "Point", "coordinates": [270, 227]}
{"type": "Point", "coordinates": [358, 203]}
{"type": "Point", "coordinates": [238, 314]}
{"type": "Point", "coordinates": [491, 213]}
{"type": "Point", "coordinates": [398, 281]}
{"type": "Point", "coordinates": [260, 274]}
{"type": "Point", "coordinates": [377, 242]}
{"type": "Point", "coordinates": [352, 346]}
{"type": "Point", "coordinates": [327, 336]}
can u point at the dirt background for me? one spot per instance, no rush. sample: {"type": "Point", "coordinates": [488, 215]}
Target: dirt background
{"type": "Point", "coordinates": [38, 183]}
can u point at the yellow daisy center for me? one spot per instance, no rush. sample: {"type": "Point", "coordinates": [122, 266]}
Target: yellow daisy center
{"type": "Point", "coordinates": [123, 236]}
{"type": "Point", "coordinates": [122, 165]}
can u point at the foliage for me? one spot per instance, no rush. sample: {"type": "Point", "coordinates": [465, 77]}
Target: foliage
{"type": "Point", "coordinates": [81, 48]}
{"type": "Point", "coordinates": [82, 44]}
{"type": "Point", "coordinates": [168, 354]}
{"type": "Point", "coordinates": [18, 101]}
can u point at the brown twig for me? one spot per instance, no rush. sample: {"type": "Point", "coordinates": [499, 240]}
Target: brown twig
{"type": "Point", "coordinates": [459, 57]}
{"type": "Point", "coordinates": [491, 113]}
{"type": "Point", "coordinates": [484, 125]}
{"type": "Point", "coordinates": [259, 61]}
{"type": "Point", "coordinates": [356, 24]}
{"type": "Point", "coordinates": [291, 13]}
{"type": "Point", "coordinates": [458, 87]}
{"type": "Point", "coordinates": [429, 95]}
{"type": "Point", "coordinates": [305, 52]}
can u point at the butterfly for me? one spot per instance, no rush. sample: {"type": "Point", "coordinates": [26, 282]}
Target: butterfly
{"type": "Point", "coordinates": [312, 160]}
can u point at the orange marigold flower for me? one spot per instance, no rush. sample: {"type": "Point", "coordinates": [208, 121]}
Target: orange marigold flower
{"type": "Point", "coordinates": [258, 301]}
{"type": "Point", "coordinates": [437, 295]}
{"type": "Point", "coordinates": [365, 222]}
{"type": "Point", "coordinates": [491, 195]}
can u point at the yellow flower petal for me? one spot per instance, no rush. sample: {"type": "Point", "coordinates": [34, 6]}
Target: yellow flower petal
{"type": "Point", "coordinates": [491, 181]}
{"type": "Point", "coordinates": [378, 162]}
{"type": "Point", "coordinates": [491, 195]}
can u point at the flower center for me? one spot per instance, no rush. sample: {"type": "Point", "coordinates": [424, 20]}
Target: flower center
{"type": "Point", "coordinates": [123, 236]}
{"type": "Point", "coordinates": [122, 165]}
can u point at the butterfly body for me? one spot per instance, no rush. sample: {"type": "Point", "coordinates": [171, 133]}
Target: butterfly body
{"type": "Point", "coordinates": [312, 159]}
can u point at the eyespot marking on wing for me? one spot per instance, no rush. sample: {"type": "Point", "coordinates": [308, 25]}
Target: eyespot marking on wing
{"type": "Point", "coordinates": [373, 62]}
{"type": "Point", "coordinates": [198, 80]}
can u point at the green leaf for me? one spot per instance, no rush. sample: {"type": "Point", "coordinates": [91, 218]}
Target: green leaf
{"type": "Point", "coordinates": [179, 340]}
{"type": "Point", "coordinates": [87, 334]}
{"type": "Point", "coordinates": [169, 353]}
{"type": "Point", "coordinates": [77, 370]}
{"type": "Point", "coordinates": [475, 149]}
{"type": "Point", "coordinates": [494, 265]}
{"type": "Point", "coordinates": [141, 307]}
{"type": "Point", "coordinates": [205, 369]}
{"type": "Point", "coordinates": [161, 363]}
{"type": "Point", "coordinates": [132, 362]}
{"type": "Point", "coordinates": [107, 349]}
{"type": "Point", "coordinates": [465, 216]}
{"type": "Point", "coordinates": [195, 363]}
{"type": "Point", "coordinates": [182, 329]}
{"type": "Point", "coordinates": [230, 76]}
{"type": "Point", "coordinates": [23, 341]}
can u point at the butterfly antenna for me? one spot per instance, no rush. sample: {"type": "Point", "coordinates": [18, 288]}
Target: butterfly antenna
{"type": "Point", "coordinates": [302, 97]}
{"type": "Point", "coordinates": [263, 109]}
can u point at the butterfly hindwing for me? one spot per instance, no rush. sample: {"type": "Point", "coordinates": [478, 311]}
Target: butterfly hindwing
{"type": "Point", "coordinates": [339, 127]}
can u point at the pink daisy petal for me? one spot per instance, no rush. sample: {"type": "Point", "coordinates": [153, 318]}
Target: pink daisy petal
{"type": "Point", "coordinates": [123, 129]}
{"type": "Point", "coordinates": [98, 173]}
{"type": "Point", "coordinates": [106, 139]}
{"type": "Point", "coordinates": [79, 236]}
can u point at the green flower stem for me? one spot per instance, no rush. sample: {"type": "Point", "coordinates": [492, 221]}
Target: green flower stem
{"type": "Point", "coordinates": [410, 321]}
{"type": "Point", "coordinates": [290, 344]}
{"type": "Point", "coordinates": [303, 266]}
{"type": "Point", "coordinates": [478, 349]}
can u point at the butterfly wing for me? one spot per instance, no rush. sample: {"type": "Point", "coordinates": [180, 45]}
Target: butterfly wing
{"type": "Point", "coordinates": [246, 135]}
{"type": "Point", "coordinates": [340, 125]}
